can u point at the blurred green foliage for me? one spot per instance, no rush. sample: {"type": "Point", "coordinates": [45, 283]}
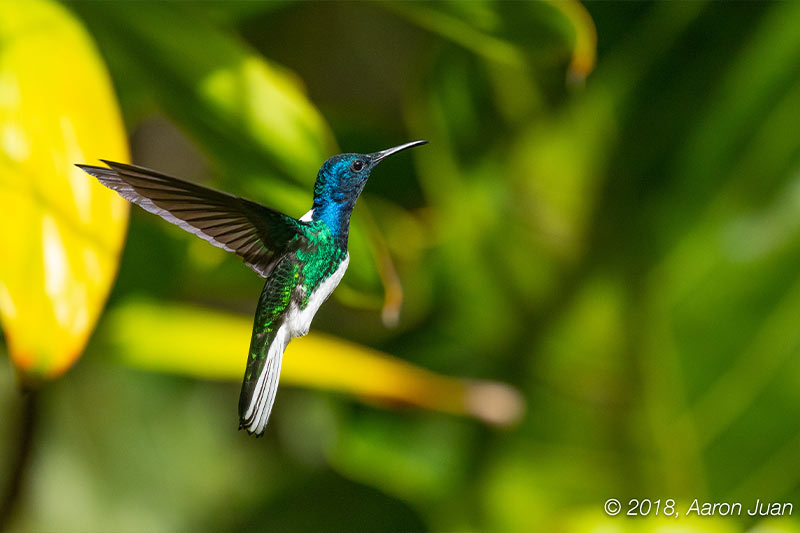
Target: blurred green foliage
{"type": "Point", "coordinates": [624, 249]}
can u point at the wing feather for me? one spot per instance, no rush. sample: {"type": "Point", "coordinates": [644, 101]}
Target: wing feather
{"type": "Point", "coordinates": [256, 233]}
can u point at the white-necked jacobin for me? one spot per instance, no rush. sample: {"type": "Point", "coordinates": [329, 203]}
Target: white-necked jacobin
{"type": "Point", "coordinates": [303, 259]}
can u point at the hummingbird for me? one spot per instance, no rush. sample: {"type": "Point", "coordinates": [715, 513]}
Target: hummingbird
{"type": "Point", "coordinates": [302, 260]}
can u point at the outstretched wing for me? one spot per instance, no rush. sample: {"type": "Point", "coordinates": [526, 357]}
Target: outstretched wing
{"type": "Point", "coordinates": [255, 232]}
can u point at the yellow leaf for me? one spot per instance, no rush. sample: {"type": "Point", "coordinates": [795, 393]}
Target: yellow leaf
{"type": "Point", "coordinates": [213, 345]}
{"type": "Point", "coordinates": [61, 231]}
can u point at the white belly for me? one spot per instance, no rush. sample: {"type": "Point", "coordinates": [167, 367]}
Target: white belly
{"type": "Point", "coordinates": [299, 320]}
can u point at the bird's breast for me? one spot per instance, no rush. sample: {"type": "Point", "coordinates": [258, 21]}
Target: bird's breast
{"type": "Point", "coordinates": [300, 316]}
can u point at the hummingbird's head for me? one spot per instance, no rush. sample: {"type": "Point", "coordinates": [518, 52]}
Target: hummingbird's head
{"type": "Point", "coordinates": [342, 178]}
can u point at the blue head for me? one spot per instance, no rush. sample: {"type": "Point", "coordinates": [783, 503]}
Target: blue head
{"type": "Point", "coordinates": [340, 182]}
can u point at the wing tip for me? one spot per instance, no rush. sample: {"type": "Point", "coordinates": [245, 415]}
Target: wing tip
{"type": "Point", "coordinates": [87, 168]}
{"type": "Point", "coordinates": [113, 164]}
{"type": "Point", "coordinates": [97, 172]}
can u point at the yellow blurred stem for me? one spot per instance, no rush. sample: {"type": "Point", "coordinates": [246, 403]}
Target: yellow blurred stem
{"type": "Point", "coordinates": [584, 51]}
{"type": "Point", "coordinates": [393, 289]}
{"type": "Point", "coordinates": [210, 344]}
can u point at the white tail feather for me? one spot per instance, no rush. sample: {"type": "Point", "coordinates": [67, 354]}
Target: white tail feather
{"type": "Point", "coordinates": [258, 411]}
{"type": "Point", "coordinates": [296, 324]}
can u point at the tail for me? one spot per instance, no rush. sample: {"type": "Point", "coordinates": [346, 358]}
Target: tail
{"type": "Point", "coordinates": [261, 379]}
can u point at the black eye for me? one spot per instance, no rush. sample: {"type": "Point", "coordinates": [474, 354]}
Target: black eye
{"type": "Point", "coordinates": [357, 165]}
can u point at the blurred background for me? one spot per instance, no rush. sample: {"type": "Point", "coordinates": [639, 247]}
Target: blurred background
{"type": "Point", "coordinates": [586, 286]}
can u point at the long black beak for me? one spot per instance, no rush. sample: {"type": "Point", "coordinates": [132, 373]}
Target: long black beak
{"type": "Point", "coordinates": [379, 156]}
